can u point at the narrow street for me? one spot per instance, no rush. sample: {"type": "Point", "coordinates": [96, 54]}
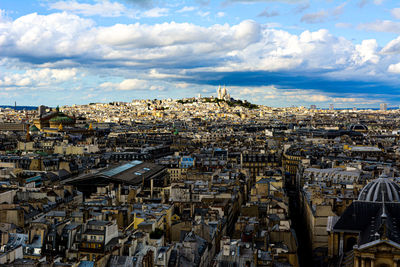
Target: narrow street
{"type": "Point", "coordinates": [298, 224]}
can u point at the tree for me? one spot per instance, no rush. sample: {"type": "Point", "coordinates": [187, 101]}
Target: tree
{"type": "Point", "coordinates": [156, 234]}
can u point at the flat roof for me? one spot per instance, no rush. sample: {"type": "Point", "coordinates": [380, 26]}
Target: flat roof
{"type": "Point", "coordinates": [135, 174]}
{"type": "Point", "coordinates": [131, 173]}
{"type": "Point", "coordinates": [120, 169]}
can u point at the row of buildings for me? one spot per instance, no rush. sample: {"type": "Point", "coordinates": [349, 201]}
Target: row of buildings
{"type": "Point", "coordinates": [198, 182]}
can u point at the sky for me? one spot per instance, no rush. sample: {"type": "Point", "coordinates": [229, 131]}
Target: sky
{"type": "Point", "coordinates": [277, 53]}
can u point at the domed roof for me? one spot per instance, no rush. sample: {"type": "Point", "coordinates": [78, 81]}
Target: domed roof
{"type": "Point", "coordinates": [382, 188]}
{"type": "Point", "coordinates": [33, 128]}
{"type": "Point", "coordinates": [61, 118]}
{"type": "Point", "coordinates": [358, 127]}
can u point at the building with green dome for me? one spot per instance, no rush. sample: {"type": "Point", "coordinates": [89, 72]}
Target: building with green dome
{"type": "Point", "coordinates": [53, 120]}
{"type": "Point", "coordinates": [61, 119]}
{"type": "Point", "coordinates": [33, 129]}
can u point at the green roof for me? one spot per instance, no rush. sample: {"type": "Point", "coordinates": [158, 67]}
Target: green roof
{"type": "Point", "coordinates": [61, 118]}
{"type": "Point", "coordinates": [33, 128]}
{"type": "Point", "coordinates": [41, 153]}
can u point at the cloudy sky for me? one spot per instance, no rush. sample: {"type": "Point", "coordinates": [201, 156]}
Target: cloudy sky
{"type": "Point", "coordinates": [277, 53]}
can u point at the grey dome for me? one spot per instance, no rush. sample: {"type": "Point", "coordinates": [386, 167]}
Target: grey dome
{"type": "Point", "coordinates": [358, 127]}
{"type": "Point", "coordinates": [382, 188]}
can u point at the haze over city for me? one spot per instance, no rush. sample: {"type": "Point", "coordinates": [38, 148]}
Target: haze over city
{"type": "Point", "coordinates": [275, 53]}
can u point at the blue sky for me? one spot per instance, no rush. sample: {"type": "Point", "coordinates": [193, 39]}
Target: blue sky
{"type": "Point", "coordinates": [271, 52]}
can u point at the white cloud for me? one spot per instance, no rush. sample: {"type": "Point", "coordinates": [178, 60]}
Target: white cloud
{"type": "Point", "coordinates": [126, 85]}
{"type": "Point", "coordinates": [132, 84]}
{"type": "Point", "coordinates": [267, 13]}
{"type": "Point", "coordinates": [323, 15]}
{"type": "Point", "coordinates": [182, 85]}
{"type": "Point", "coordinates": [394, 68]}
{"type": "Point", "coordinates": [38, 77]}
{"type": "Point", "coordinates": [396, 12]}
{"type": "Point", "coordinates": [255, 91]}
{"type": "Point", "coordinates": [245, 45]}
{"type": "Point", "coordinates": [221, 14]}
{"type": "Point", "coordinates": [303, 95]}
{"type": "Point", "coordinates": [46, 37]}
{"type": "Point", "coordinates": [186, 9]}
{"type": "Point", "coordinates": [89, 96]}
{"type": "Point", "coordinates": [155, 12]}
{"type": "Point", "coordinates": [344, 99]}
{"type": "Point", "coordinates": [3, 16]}
{"type": "Point", "coordinates": [366, 51]}
{"type": "Point", "coordinates": [339, 9]}
{"type": "Point", "coordinates": [66, 40]}
{"type": "Point", "coordinates": [381, 26]}
{"type": "Point", "coordinates": [153, 73]}
{"type": "Point", "coordinates": [157, 87]}
{"type": "Point", "coordinates": [102, 8]}
{"type": "Point", "coordinates": [393, 47]}
{"type": "Point", "coordinates": [109, 9]}
{"type": "Point", "coordinates": [343, 25]}
{"type": "Point", "coordinates": [175, 41]}
{"type": "Point", "coordinates": [316, 17]}
{"type": "Point", "coordinates": [273, 96]}
{"type": "Point", "coordinates": [203, 13]}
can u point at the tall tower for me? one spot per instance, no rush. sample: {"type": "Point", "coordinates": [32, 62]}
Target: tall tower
{"type": "Point", "coordinates": [219, 92]}
{"type": "Point", "coordinates": [41, 110]}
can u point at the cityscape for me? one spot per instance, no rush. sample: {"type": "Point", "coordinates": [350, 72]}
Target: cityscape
{"type": "Point", "coordinates": [226, 133]}
{"type": "Point", "coordinates": [201, 181]}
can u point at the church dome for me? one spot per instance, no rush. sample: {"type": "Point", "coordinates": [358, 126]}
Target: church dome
{"type": "Point", "coordinates": [382, 188]}
{"type": "Point", "coordinates": [358, 127]}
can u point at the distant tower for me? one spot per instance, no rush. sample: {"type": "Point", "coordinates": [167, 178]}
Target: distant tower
{"type": "Point", "coordinates": [383, 106]}
{"type": "Point", "coordinates": [219, 92]}
{"type": "Point", "coordinates": [41, 110]}
{"type": "Point", "coordinates": [331, 107]}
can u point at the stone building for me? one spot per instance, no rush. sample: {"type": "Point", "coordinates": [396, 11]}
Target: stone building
{"type": "Point", "coordinates": [367, 233]}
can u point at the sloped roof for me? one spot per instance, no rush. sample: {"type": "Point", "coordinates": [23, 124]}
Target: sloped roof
{"type": "Point", "coordinates": [372, 220]}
